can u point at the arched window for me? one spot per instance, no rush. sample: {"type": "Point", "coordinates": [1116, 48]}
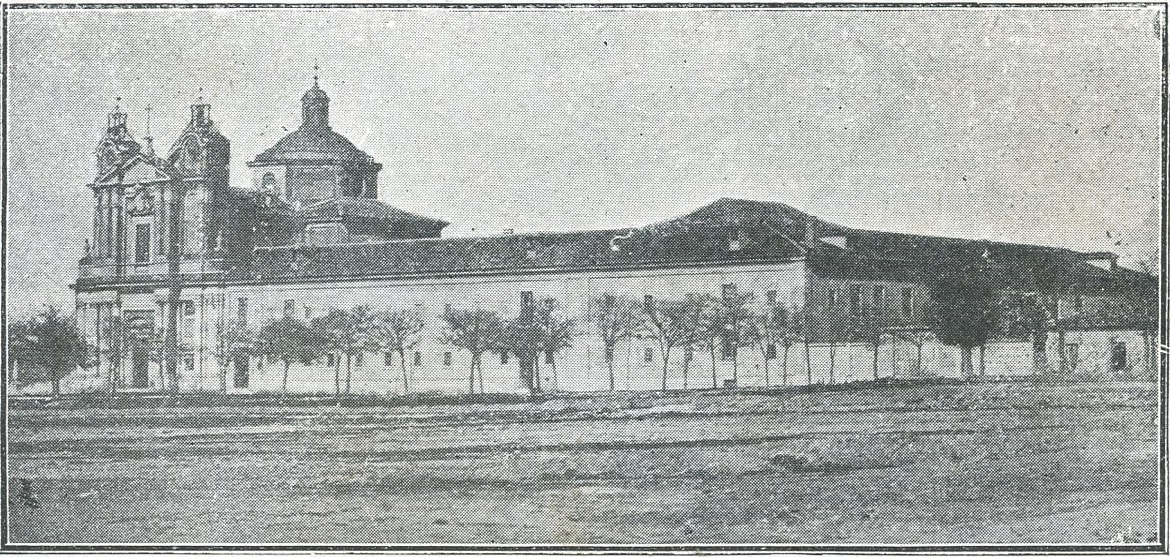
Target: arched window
{"type": "Point", "coordinates": [268, 182]}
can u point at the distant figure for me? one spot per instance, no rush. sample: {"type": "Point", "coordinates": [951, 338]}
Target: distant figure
{"type": "Point", "coordinates": [26, 494]}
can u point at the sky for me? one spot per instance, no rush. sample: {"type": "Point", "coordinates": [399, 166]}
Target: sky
{"type": "Point", "coordinates": [1036, 125]}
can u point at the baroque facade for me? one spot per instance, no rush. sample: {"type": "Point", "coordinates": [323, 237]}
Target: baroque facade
{"type": "Point", "coordinates": [179, 256]}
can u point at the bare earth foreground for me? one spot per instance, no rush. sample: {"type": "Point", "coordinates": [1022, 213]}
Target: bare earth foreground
{"type": "Point", "coordinates": [1009, 463]}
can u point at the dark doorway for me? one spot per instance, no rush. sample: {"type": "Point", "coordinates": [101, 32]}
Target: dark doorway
{"type": "Point", "coordinates": [1119, 360]}
{"type": "Point", "coordinates": [241, 375]}
{"type": "Point", "coordinates": [140, 369]}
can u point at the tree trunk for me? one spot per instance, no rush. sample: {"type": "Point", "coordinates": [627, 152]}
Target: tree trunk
{"type": "Point", "coordinates": [767, 378]}
{"type": "Point", "coordinates": [609, 364]}
{"type": "Point", "coordinates": [714, 379]}
{"type": "Point", "coordinates": [918, 362]}
{"type": "Point", "coordinates": [832, 362]}
{"type": "Point", "coordinates": [223, 373]}
{"type": "Point", "coordinates": [402, 366]}
{"type": "Point", "coordinates": [665, 363]}
{"type": "Point", "coordinates": [966, 367]}
{"type": "Point", "coordinates": [337, 376]}
{"type": "Point", "coordinates": [877, 345]}
{"type": "Point", "coordinates": [735, 365]}
{"type": "Point", "coordinates": [808, 361]}
{"type": "Point", "coordinates": [687, 357]}
{"type": "Point", "coordinates": [348, 371]}
{"type": "Point", "coordinates": [479, 369]}
{"type": "Point", "coordinates": [784, 365]}
{"type": "Point", "coordinates": [284, 380]}
{"type": "Point", "coordinates": [1060, 349]}
{"type": "Point", "coordinates": [55, 381]}
{"type": "Point", "coordinates": [471, 379]}
{"type": "Point", "coordinates": [983, 360]}
{"type": "Point", "coordinates": [555, 380]}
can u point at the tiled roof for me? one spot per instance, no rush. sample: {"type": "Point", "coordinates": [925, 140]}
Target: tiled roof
{"type": "Point", "coordinates": [342, 207]}
{"type": "Point", "coordinates": [727, 230]}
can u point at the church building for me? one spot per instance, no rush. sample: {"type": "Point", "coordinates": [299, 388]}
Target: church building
{"type": "Point", "coordinates": [179, 257]}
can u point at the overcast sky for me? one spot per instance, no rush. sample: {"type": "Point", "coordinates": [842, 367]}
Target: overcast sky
{"type": "Point", "coordinates": [1028, 125]}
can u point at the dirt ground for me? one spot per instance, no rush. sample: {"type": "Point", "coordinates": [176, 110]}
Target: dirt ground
{"type": "Point", "coordinates": [1013, 463]}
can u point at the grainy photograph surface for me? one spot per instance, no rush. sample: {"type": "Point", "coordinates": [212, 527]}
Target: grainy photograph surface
{"type": "Point", "coordinates": [584, 277]}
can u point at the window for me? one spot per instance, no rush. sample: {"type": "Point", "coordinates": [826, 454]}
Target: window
{"type": "Point", "coordinates": [446, 309]}
{"type": "Point", "coordinates": [503, 357]}
{"type": "Point", "coordinates": [729, 291]}
{"type": "Point", "coordinates": [308, 312]}
{"type": "Point", "coordinates": [389, 358]}
{"type": "Point", "coordinates": [357, 360]}
{"type": "Point", "coordinates": [1118, 358]}
{"type": "Point", "coordinates": [526, 307]}
{"type": "Point", "coordinates": [242, 312]}
{"type": "Point", "coordinates": [855, 300]}
{"type": "Point", "coordinates": [142, 243]}
{"type": "Point", "coordinates": [879, 295]}
{"type": "Point", "coordinates": [1072, 354]}
{"type": "Point", "coordinates": [1078, 303]}
{"type": "Point", "coordinates": [608, 301]}
{"type": "Point", "coordinates": [330, 360]}
{"type": "Point", "coordinates": [832, 300]}
{"type": "Point", "coordinates": [189, 362]}
{"type": "Point", "coordinates": [772, 297]}
{"type": "Point", "coordinates": [771, 354]}
{"type": "Point", "coordinates": [648, 303]}
{"type": "Point", "coordinates": [446, 358]}
{"type": "Point", "coordinates": [548, 356]}
{"type": "Point", "coordinates": [649, 355]}
{"type": "Point", "coordinates": [290, 308]}
{"type": "Point", "coordinates": [907, 301]}
{"type": "Point", "coordinates": [268, 182]}
{"type": "Point", "coordinates": [417, 359]}
{"type": "Point", "coordinates": [188, 308]}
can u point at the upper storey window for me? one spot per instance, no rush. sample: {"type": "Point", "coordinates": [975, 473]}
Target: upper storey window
{"type": "Point", "coordinates": [142, 243]}
{"type": "Point", "coordinates": [268, 182]}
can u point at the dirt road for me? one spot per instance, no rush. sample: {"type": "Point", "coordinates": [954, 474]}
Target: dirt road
{"type": "Point", "coordinates": [955, 464]}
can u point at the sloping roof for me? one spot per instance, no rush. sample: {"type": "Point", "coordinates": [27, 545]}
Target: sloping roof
{"type": "Point", "coordinates": [354, 207]}
{"type": "Point", "coordinates": [315, 144]}
{"type": "Point", "coordinates": [727, 230]}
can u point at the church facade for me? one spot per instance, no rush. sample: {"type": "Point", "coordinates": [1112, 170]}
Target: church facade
{"type": "Point", "coordinates": [179, 256]}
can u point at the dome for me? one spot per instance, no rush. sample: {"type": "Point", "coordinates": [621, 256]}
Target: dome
{"type": "Point", "coordinates": [314, 141]}
{"type": "Point", "coordinates": [316, 93]}
{"type": "Point", "coordinates": [314, 144]}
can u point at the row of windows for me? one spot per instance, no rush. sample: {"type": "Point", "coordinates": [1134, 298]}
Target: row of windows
{"type": "Point", "coordinates": [729, 291]}
{"type": "Point", "coordinates": [858, 300]}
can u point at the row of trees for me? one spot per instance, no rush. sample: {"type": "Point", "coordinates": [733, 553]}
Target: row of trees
{"type": "Point", "coordinates": [969, 306]}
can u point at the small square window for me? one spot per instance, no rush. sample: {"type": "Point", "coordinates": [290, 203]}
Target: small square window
{"type": "Point", "coordinates": [417, 359]}
{"type": "Point", "coordinates": [771, 352]}
{"type": "Point", "coordinates": [357, 359]}
{"type": "Point", "coordinates": [729, 291]}
{"type": "Point", "coordinates": [389, 358]}
{"type": "Point", "coordinates": [189, 362]}
{"type": "Point", "coordinates": [548, 357]}
{"type": "Point", "coordinates": [290, 308]}
{"type": "Point", "coordinates": [503, 357]}
{"type": "Point", "coordinates": [330, 360]}
{"type": "Point", "coordinates": [188, 308]}
{"type": "Point", "coordinates": [772, 297]}
{"type": "Point", "coordinates": [649, 355]}
{"type": "Point", "coordinates": [446, 358]}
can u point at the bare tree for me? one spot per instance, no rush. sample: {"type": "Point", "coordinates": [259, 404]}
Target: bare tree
{"type": "Point", "coordinates": [708, 328]}
{"type": "Point", "coordinates": [667, 321]}
{"type": "Point", "coordinates": [556, 334]}
{"type": "Point", "coordinates": [617, 319]}
{"type": "Point", "coordinates": [475, 331]}
{"type": "Point", "coordinates": [735, 316]}
{"type": "Point", "coordinates": [288, 340]}
{"type": "Point", "coordinates": [397, 331]}
{"type": "Point", "coordinates": [234, 341]}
